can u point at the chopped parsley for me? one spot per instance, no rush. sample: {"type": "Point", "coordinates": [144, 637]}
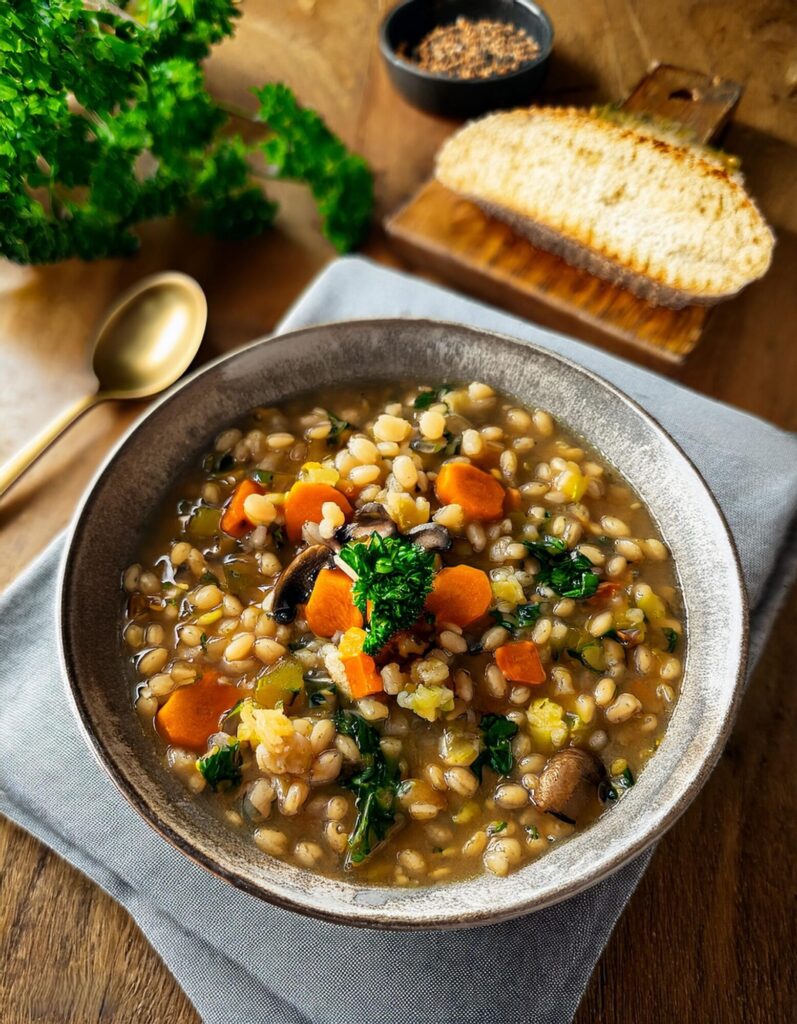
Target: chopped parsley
{"type": "Point", "coordinates": [496, 827]}
{"type": "Point", "coordinates": [431, 397]}
{"type": "Point", "coordinates": [339, 428]}
{"type": "Point", "coordinates": [525, 615]}
{"type": "Point", "coordinates": [619, 784]}
{"type": "Point", "coordinates": [208, 577]}
{"type": "Point", "coordinates": [222, 766]}
{"type": "Point", "coordinates": [203, 642]}
{"type": "Point", "coordinates": [568, 573]}
{"type": "Point", "coordinates": [262, 476]}
{"type": "Point", "coordinates": [497, 733]}
{"type": "Point", "coordinates": [672, 639]}
{"type": "Point", "coordinates": [394, 577]}
{"type": "Point", "coordinates": [532, 831]}
{"type": "Point", "coordinates": [374, 786]}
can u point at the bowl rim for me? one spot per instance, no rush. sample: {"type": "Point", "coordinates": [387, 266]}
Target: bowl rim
{"type": "Point", "coordinates": [359, 915]}
{"type": "Point", "coordinates": [392, 57]}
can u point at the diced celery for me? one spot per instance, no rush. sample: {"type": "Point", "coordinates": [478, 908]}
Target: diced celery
{"type": "Point", "coordinates": [208, 618]}
{"type": "Point", "coordinates": [508, 590]}
{"type": "Point", "coordinates": [653, 607]}
{"type": "Point", "coordinates": [315, 473]}
{"type": "Point", "coordinates": [466, 813]}
{"type": "Point", "coordinates": [545, 717]}
{"type": "Point", "coordinates": [282, 682]}
{"type": "Point", "coordinates": [427, 701]}
{"type": "Point", "coordinates": [459, 748]}
{"type": "Point", "coordinates": [204, 523]}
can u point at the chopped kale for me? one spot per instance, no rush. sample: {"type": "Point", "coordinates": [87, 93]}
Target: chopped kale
{"type": "Point", "coordinates": [431, 397]}
{"type": "Point", "coordinates": [374, 786]}
{"type": "Point", "coordinates": [497, 733]}
{"type": "Point", "coordinates": [339, 428]}
{"type": "Point", "coordinates": [672, 639]}
{"type": "Point", "coordinates": [525, 615]}
{"type": "Point", "coordinates": [222, 766]}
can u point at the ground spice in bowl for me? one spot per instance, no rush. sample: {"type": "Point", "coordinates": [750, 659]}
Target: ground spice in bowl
{"type": "Point", "coordinates": [475, 49]}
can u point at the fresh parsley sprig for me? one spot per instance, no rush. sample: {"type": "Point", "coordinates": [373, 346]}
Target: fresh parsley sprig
{"type": "Point", "coordinates": [106, 121]}
{"type": "Point", "coordinates": [394, 577]}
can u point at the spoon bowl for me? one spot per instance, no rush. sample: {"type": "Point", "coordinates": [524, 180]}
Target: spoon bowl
{"type": "Point", "coordinates": [150, 336]}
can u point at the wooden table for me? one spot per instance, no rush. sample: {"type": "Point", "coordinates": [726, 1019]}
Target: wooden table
{"type": "Point", "coordinates": [709, 934]}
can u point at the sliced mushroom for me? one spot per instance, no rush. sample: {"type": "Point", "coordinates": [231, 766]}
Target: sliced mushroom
{"type": "Point", "coordinates": [568, 781]}
{"type": "Point", "coordinates": [430, 536]}
{"type": "Point", "coordinates": [371, 518]}
{"type": "Point", "coordinates": [295, 583]}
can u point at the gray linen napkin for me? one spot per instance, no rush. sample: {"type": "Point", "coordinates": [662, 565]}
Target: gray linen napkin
{"type": "Point", "coordinates": [239, 959]}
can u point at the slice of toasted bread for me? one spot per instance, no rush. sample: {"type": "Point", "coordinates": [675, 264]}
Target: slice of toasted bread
{"type": "Point", "coordinates": [657, 217]}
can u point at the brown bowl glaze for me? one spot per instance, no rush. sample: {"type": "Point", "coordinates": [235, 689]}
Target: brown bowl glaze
{"type": "Point", "coordinates": [128, 489]}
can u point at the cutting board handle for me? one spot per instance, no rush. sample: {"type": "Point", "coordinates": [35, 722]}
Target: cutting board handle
{"type": "Point", "coordinates": [701, 102]}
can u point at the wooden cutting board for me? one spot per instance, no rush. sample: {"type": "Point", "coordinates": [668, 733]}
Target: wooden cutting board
{"type": "Point", "coordinates": [439, 231]}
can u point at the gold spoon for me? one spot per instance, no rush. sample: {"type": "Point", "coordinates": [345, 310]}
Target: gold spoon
{"type": "Point", "coordinates": [147, 340]}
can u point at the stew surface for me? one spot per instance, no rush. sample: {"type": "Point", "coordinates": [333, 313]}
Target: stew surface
{"type": "Point", "coordinates": [403, 634]}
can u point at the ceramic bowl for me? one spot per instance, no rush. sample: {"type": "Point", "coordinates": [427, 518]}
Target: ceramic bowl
{"type": "Point", "coordinates": [407, 24]}
{"type": "Point", "coordinates": [127, 491]}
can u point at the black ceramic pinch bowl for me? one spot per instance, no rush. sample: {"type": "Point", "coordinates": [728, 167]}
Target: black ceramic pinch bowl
{"type": "Point", "coordinates": [408, 23]}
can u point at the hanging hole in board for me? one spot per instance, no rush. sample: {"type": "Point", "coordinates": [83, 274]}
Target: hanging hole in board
{"type": "Point", "coordinates": [684, 94]}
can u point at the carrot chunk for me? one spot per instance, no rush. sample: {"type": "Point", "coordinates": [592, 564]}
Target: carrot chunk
{"type": "Point", "coordinates": [233, 520]}
{"type": "Point", "coordinates": [605, 591]}
{"type": "Point", "coordinates": [363, 676]}
{"type": "Point", "coordinates": [513, 500]}
{"type": "Point", "coordinates": [303, 504]}
{"type": "Point", "coordinates": [331, 608]}
{"type": "Point", "coordinates": [361, 671]}
{"type": "Point", "coordinates": [480, 494]}
{"type": "Point", "coordinates": [520, 663]}
{"type": "Point", "coordinates": [460, 594]}
{"type": "Point", "coordinates": [192, 712]}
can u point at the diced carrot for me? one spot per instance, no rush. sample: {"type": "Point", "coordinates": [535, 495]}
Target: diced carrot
{"type": "Point", "coordinates": [361, 671]}
{"type": "Point", "coordinates": [233, 520]}
{"type": "Point", "coordinates": [331, 607]}
{"type": "Point", "coordinates": [520, 663]}
{"type": "Point", "coordinates": [478, 493]}
{"type": "Point", "coordinates": [303, 504]}
{"type": "Point", "coordinates": [512, 500]}
{"type": "Point", "coordinates": [460, 594]}
{"type": "Point", "coordinates": [363, 676]}
{"type": "Point", "coordinates": [605, 591]}
{"type": "Point", "coordinates": [348, 489]}
{"type": "Point", "coordinates": [192, 712]}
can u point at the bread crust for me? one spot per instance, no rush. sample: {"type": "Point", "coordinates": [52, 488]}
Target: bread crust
{"type": "Point", "coordinates": [636, 156]}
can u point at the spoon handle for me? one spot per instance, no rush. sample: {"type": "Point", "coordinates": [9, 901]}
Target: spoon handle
{"type": "Point", "coordinates": [17, 464]}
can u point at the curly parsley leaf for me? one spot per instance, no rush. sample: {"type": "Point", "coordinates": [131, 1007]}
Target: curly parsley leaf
{"type": "Point", "coordinates": [497, 733]}
{"type": "Point", "coordinates": [221, 767]}
{"type": "Point", "coordinates": [374, 786]}
{"type": "Point", "coordinates": [106, 121]}
{"type": "Point", "coordinates": [568, 573]}
{"type": "Point", "coordinates": [302, 148]}
{"type": "Point", "coordinates": [394, 577]}
{"type": "Point", "coordinates": [338, 429]}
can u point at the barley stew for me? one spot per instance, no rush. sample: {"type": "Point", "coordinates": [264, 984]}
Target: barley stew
{"type": "Point", "coordinates": [403, 634]}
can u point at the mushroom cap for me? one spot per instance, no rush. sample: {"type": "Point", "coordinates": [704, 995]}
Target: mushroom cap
{"type": "Point", "coordinates": [431, 536]}
{"type": "Point", "coordinates": [370, 518]}
{"type": "Point", "coordinates": [567, 782]}
{"type": "Point", "coordinates": [295, 583]}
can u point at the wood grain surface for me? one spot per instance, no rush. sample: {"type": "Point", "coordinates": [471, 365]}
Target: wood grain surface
{"type": "Point", "coordinates": [709, 936]}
